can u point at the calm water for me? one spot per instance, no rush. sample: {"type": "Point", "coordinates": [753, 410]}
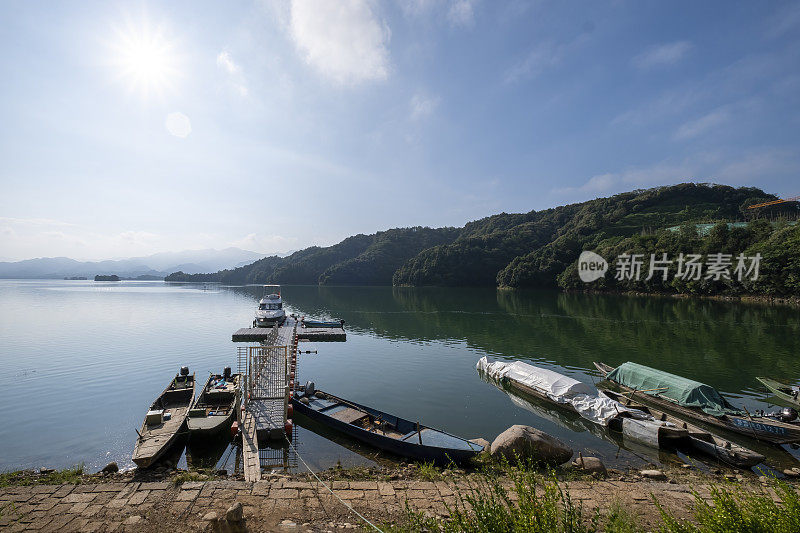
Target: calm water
{"type": "Point", "coordinates": [83, 360]}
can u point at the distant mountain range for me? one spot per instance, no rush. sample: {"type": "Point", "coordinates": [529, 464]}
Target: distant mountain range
{"type": "Point", "coordinates": [156, 265]}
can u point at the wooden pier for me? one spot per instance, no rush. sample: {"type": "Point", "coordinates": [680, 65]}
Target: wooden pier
{"type": "Point", "coordinates": [271, 376]}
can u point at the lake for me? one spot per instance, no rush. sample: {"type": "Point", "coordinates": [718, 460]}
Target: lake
{"type": "Point", "coordinates": [84, 359]}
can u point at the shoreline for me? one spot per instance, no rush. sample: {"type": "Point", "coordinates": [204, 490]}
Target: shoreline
{"type": "Point", "coordinates": [298, 502]}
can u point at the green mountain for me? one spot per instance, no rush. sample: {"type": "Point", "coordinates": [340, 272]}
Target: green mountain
{"type": "Point", "coordinates": [541, 248]}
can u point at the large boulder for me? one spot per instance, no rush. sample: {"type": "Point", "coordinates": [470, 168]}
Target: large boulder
{"type": "Point", "coordinates": [528, 442]}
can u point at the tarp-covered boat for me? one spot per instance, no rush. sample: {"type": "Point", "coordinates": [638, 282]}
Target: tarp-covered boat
{"type": "Point", "coordinates": [692, 400]}
{"type": "Point", "coordinates": [164, 420]}
{"type": "Point", "coordinates": [382, 430]}
{"type": "Point", "coordinates": [583, 399]}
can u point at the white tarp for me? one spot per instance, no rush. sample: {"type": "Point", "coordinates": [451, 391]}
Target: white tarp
{"type": "Point", "coordinates": [561, 389]}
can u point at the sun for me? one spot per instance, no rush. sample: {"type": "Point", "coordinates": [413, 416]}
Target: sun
{"type": "Point", "coordinates": [145, 59]}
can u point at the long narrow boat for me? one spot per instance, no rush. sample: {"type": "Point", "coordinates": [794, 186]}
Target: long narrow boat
{"type": "Point", "coordinates": [322, 323]}
{"type": "Point", "coordinates": [164, 420]}
{"type": "Point", "coordinates": [787, 393]}
{"type": "Point", "coordinates": [692, 400]}
{"type": "Point", "coordinates": [382, 430]}
{"type": "Point", "coordinates": [699, 439]}
{"type": "Point", "coordinates": [215, 408]}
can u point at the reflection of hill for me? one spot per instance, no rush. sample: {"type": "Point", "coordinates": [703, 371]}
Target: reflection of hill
{"type": "Point", "coordinates": [723, 344]}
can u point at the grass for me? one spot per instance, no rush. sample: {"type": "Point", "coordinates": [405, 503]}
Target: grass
{"type": "Point", "coordinates": [734, 510]}
{"type": "Point", "coordinates": [428, 471]}
{"type": "Point", "coordinates": [57, 477]}
{"type": "Point", "coordinates": [535, 502]}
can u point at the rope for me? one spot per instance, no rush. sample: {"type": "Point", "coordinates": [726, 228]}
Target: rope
{"type": "Point", "coordinates": [376, 528]}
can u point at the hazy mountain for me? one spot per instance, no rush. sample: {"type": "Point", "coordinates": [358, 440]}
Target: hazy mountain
{"type": "Point", "coordinates": [159, 264]}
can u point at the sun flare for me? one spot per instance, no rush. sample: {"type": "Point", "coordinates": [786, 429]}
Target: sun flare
{"type": "Point", "coordinates": [145, 59]}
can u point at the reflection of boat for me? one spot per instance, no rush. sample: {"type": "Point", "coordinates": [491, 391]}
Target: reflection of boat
{"type": "Point", "coordinates": [382, 430]}
{"type": "Point", "coordinates": [166, 417]}
{"type": "Point", "coordinates": [699, 439]}
{"type": "Point", "coordinates": [787, 393]}
{"type": "Point", "coordinates": [270, 308]}
{"type": "Point", "coordinates": [692, 400]}
{"type": "Point", "coordinates": [215, 407]}
{"type": "Point", "coordinates": [583, 399]}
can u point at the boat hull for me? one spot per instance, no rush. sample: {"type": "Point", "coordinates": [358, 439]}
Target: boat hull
{"type": "Point", "coordinates": [404, 448]}
{"type": "Point", "coordinates": [775, 388]}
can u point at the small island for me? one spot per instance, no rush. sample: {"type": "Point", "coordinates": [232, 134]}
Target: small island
{"type": "Point", "coordinates": [112, 277]}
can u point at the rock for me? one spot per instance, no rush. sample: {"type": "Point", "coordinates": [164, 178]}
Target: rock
{"type": "Point", "coordinates": [210, 517]}
{"type": "Point", "coordinates": [234, 513]}
{"type": "Point", "coordinates": [525, 441]}
{"type": "Point", "coordinates": [653, 474]}
{"type": "Point", "coordinates": [480, 441]}
{"type": "Point", "coordinates": [46, 470]}
{"type": "Point", "coordinates": [686, 466]}
{"type": "Point", "coordinates": [288, 524]}
{"type": "Point", "coordinates": [791, 472]}
{"type": "Point", "coordinates": [593, 465]}
{"type": "Point", "coordinates": [110, 468]}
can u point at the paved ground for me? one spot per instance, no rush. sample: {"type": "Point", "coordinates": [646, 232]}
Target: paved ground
{"type": "Point", "coordinates": [274, 505]}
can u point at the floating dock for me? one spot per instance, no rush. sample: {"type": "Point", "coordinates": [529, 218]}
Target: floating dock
{"type": "Point", "coordinates": [303, 334]}
{"type": "Point", "coordinates": [270, 368]}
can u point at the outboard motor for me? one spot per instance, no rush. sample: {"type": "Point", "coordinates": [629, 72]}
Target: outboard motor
{"type": "Point", "coordinates": [309, 389]}
{"type": "Point", "coordinates": [788, 414]}
{"type": "Point", "coordinates": [184, 371]}
{"type": "Point", "coordinates": [227, 372]}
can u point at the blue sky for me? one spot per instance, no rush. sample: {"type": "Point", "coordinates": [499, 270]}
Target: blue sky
{"type": "Point", "coordinates": [132, 128]}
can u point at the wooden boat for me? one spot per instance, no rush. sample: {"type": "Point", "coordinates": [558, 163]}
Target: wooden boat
{"type": "Point", "coordinates": [382, 430]}
{"type": "Point", "coordinates": [787, 393]}
{"type": "Point", "coordinates": [759, 426]}
{"type": "Point", "coordinates": [322, 324]}
{"type": "Point", "coordinates": [699, 439]}
{"type": "Point", "coordinates": [215, 408]}
{"type": "Point", "coordinates": [164, 420]}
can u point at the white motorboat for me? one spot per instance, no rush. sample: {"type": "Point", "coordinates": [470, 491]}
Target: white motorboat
{"type": "Point", "coordinates": [270, 308]}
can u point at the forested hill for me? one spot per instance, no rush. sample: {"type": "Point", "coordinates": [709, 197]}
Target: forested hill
{"type": "Point", "coordinates": [535, 249]}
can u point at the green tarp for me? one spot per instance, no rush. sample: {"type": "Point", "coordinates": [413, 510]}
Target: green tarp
{"type": "Point", "coordinates": [686, 392]}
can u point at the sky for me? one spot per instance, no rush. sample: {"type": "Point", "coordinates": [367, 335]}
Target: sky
{"type": "Point", "coordinates": [130, 128]}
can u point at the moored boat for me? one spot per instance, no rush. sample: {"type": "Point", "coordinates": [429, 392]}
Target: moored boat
{"type": "Point", "coordinates": [306, 323]}
{"type": "Point", "coordinates": [215, 407]}
{"type": "Point", "coordinates": [571, 394]}
{"type": "Point", "coordinates": [691, 400]}
{"type": "Point", "coordinates": [383, 430]}
{"type": "Point", "coordinates": [270, 308]}
{"type": "Point", "coordinates": [699, 439]}
{"type": "Point", "coordinates": [165, 419]}
{"type": "Point", "coordinates": [787, 393]}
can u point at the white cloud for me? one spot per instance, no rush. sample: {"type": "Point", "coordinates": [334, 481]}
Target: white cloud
{"type": "Point", "coordinates": [701, 125]}
{"type": "Point", "coordinates": [269, 244]}
{"type": "Point", "coordinates": [662, 54]}
{"type": "Point", "coordinates": [717, 167]}
{"type": "Point", "coordinates": [235, 74]}
{"type": "Point", "coordinates": [422, 106]}
{"type": "Point", "coordinates": [226, 62]}
{"type": "Point", "coordinates": [461, 13]}
{"type": "Point", "coordinates": [542, 57]}
{"type": "Point", "coordinates": [178, 124]}
{"type": "Point", "coordinates": [344, 40]}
